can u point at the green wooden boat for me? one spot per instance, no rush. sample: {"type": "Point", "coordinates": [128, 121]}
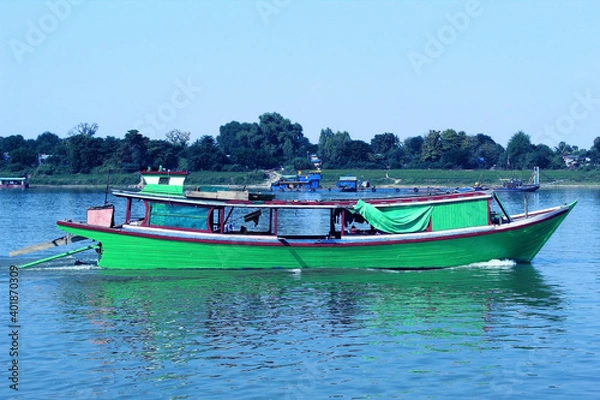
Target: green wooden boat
{"type": "Point", "coordinates": [180, 229]}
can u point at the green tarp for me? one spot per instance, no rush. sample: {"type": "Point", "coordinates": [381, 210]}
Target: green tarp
{"type": "Point", "coordinates": [402, 219]}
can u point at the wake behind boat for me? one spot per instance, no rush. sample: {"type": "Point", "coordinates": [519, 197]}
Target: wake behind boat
{"type": "Point", "coordinates": [180, 229]}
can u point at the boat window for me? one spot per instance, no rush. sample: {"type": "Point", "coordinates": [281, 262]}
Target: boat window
{"type": "Point", "coordinates": [462, 214]}
{"type": "Point", "coordinates": [304, 222]}
{"type": "Point", "coordinates": [251, 221]}
{"type": "Point", "coordinates": [162, 214]}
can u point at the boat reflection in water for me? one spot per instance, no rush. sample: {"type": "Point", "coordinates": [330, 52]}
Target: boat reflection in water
{"type": "Point", "coordinates": [244, 320]}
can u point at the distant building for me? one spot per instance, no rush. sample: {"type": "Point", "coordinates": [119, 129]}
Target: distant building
{"type": "Point", "coordinates": [572, 161]}
{"type": "Point", "coordinates": [315, 160]}
{"type": "Point", "coordinates": [42, 158]}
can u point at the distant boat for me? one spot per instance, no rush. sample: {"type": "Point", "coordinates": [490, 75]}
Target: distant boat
{"type": "Point", "coordinates": [230, 195]}
{"type": "Point", "coordinates": [178, 230]}
{"type": "Point", "coordinates": [299, 182]}
{"type": "Point", "coordinates": [14, 183]}
{"type": "Point", "coordinates": [517, 185]}
{"type": "Point", "coordinates": [347, 183]}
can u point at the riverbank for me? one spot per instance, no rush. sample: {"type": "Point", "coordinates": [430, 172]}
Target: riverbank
{"type": "Point", "coordinates": [378, 178]}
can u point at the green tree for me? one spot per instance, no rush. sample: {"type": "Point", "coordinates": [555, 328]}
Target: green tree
{"type": "Point", "coordinates": [332, 148]}
{"type": "Point", "coordinates": [564, 149]}
{"type": "Point", "coordinates": [519, 152]}
{"type": "Point", "coordinates": [485, 152]}
{"type": "Point", "coordinates": [162, 153]}
{"type": "Point", "coordinates": [58, 162]}
{"type": "Point", "coordinates": [302, 163]}
{"type": "Point", "coordinates": [205, 155]}
{"type": "Point", "coordinates": [249, 140]}
{"type": "Point", "coordinates": [456, 150]}
{"type": "Point", "coordinates": [357, 154]}
{"type": "Point", "coordinates": [17, 154]}
{"type": "Point", "coordinates": [227, 138]}
{"type": "Point", "coordinates": [239, 140]}
{"type": "Point", "coordinates": [111, 152]}
{"type": "Point", "coordinates": [412, 149]}
{"type": "Point", "coordinates": [13, 142]}
{"type": "Point", "coordinates": [384, 143]}
{"type": "Point", "coordinates": [273, 141]}
{"type": "Point", "coordinates": [22, 158]}
{"type": "Point", "coordinates": [387, 150]}
{"type": "Point", "coordinates": [282, 139]}
{"type": "Point", "coordinates": [84, 153]}
{"type": "Point", "coordinates": [545, 158]}
{"type": "Point", "coordinates": [595, 151]}
{"type": "Point", "coordinates": [431, 151]}
{"type": "Point", "coordinates": [84, 129]}
{"type": "Point", "coordinates": [324, 146]}
{"type": "Point", "coordinates": [596, 145]}
{"type": "Point", "coordinates": [178, 138]}
{"type": "Point", "coordinates": [46, 143]}
{"type": "Point", "coordinates": [134, 151]}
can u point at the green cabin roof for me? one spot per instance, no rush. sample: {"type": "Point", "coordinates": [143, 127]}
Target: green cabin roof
{"type": "Point", "coordinates": [164, 183]}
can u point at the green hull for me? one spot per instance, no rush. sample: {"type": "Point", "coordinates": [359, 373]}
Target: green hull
{"type": "Point", "coordinates": [517, 241]}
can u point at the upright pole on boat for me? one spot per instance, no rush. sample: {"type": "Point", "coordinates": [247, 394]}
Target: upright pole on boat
{"type": "Point", "coordinates": [525, 206]}
{"type": "Point", "coordinates": [536, 175]}
{"type": "Point", "coordinates": [106, 190]}
{"type": "Point", "coordinates": [506, 214]}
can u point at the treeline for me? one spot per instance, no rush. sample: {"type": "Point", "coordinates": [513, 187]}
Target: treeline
{"type": "Point", "coordinates": [274, 142]}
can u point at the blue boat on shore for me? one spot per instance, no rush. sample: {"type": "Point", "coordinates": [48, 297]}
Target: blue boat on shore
{"type": "Point", "coordinates": [298, 182]}
{"type": "Point", "coordinates": [347, 183]}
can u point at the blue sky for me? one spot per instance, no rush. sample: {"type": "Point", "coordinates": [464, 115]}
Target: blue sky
{"type": "Point", "coordinates": [361, 66]}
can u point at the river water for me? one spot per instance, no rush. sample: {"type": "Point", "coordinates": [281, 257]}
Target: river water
{"type": "Point", "coordinates": [497, 330]}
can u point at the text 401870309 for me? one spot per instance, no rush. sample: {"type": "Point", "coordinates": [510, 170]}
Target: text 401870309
{"type": "Point", "coordinates": [13, 295]}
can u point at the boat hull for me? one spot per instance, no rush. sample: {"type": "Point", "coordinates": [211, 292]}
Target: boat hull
{"type": "Point", "coordinates": [154, 248]}
{"type": "Point", "coordinates": [524, 188]}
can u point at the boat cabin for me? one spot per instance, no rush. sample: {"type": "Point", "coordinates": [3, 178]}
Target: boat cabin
{"type": "Point", "coordinates": [347, 183]}
{"type": "Point", "coordinates": [167, 206]}
{"type": "Point", "coordinates": [14, 183]}
{"type": "Point", "coordinates": [163, 182]}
